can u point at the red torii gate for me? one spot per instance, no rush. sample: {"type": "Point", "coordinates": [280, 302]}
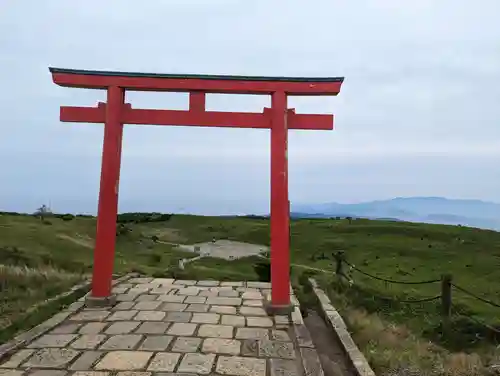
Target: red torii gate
{"type": "Point", "coordinates": [115, 112]}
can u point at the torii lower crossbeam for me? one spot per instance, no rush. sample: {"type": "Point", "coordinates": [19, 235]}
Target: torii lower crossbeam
{"type": "Point", "coordinates": [115, 112]}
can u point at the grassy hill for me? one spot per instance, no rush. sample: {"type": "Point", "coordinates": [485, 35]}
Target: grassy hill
{"type": "Point", "coordinates": [61, 252]}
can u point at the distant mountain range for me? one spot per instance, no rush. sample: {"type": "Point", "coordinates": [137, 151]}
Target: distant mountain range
{"type": "Point", "coordinates": [440, 210]}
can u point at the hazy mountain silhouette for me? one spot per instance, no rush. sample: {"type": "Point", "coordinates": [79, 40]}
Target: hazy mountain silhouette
{"type": "Point", "coordinates": [474, 213]}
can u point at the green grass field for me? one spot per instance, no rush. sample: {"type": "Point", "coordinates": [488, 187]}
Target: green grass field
{"type": "Point", "coordinates": [394, 250]}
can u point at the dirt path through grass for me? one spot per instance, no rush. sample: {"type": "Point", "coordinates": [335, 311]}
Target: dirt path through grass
{"type": "Point", "coordinates": [83, 242]}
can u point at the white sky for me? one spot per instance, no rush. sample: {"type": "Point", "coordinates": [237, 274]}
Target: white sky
{"type": "Point", "coordinates": [419, 112]}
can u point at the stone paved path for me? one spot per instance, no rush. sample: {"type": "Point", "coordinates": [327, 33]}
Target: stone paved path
{"type": "Point", "coordinates": [163, 327]}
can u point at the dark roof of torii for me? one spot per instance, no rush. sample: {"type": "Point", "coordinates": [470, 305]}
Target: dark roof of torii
{"type": "Point", "coordinates": [196, 76]}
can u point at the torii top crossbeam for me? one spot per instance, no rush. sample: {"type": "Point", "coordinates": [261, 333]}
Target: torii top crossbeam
{"type": "Point", "coordinates": [189, 82]}
{"type": "Point", "coordinates": [116, 112]}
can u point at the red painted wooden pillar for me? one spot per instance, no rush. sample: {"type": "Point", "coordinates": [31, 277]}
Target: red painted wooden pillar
{"type": "Point", "coordinates": [104, 252]}
{"type": "Point", "coordinates": [280, 257]}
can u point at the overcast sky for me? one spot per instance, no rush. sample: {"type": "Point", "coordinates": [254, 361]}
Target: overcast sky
{"type": "Point", "coordinates": [418, 114]}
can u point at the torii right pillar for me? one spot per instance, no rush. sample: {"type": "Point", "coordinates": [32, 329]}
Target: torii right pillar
{"type": "Point", "coordinates": [280, 204]}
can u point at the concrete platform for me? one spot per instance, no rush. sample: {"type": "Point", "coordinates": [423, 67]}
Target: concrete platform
{"type": "Point", "coordinates": [225, 249]}
{"type": "Point", "coordinates": [161, 327]}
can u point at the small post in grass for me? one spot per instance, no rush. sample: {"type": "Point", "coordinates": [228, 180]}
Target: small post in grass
{"type": "Point", "coordinates": [339, 257]}
{"type": "Point", "coordinates": [446, 300]}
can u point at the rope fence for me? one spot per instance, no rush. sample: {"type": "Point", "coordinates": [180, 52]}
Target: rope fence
{"type": "Point", "coordinates": [445, 296]}
{"type": "Point", "coordinates": [423, 300]}
{"type": "Point", "coordinates": [467, 292]}
{"type": "Point", "coordinates": [391, 280]}
{"type": "Point", "coordinates": [472, 318]}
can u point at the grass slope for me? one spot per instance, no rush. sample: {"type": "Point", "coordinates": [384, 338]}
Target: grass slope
{"type": "Point", "coordinates": [20, 287]}
{"type": "Point", "coordinates": [394, 250]}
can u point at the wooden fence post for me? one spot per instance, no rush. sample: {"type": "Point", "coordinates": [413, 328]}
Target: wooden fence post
{"type": "Point", "coordinates": [339, 257]}
{"type": "Point", "coordinates": [446, 300]}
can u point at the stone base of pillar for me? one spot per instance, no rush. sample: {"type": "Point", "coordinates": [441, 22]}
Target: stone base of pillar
{"type": "Point", "coordinates": [278, 310]}
{"type": "Point", "coordinates": [94, 302]}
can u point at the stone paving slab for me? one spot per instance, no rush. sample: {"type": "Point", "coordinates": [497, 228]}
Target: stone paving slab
{"type": "Point", "coordinates": [162, 326]}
